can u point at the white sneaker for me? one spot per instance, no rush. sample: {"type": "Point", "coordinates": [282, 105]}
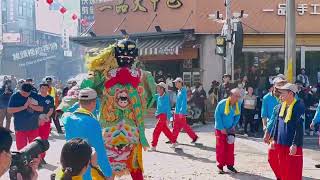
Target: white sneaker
{"type": "Point", "coordinates": [153, 149]}
{"type": "Point", "coordinates": [174, 145]}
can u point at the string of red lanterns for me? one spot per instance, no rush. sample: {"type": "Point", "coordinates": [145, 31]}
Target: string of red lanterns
{"type": "Point", "coordinates": [63, 10]}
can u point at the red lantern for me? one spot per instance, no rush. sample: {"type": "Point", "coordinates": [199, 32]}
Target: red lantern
{"type": "Point", "coordinates": [63, 10]}
{"type": "Point", "coordinates": [49, 1]}
{"type": "Point", "coordinates": [74, 17]}
{"type": "Point", "coordinates": [84, 22]}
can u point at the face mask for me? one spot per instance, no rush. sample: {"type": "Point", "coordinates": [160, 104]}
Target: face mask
{"type": "Point", "coordinates": [240, 86]}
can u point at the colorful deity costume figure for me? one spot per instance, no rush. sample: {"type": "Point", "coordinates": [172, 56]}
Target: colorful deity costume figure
{"type": "Point", "coordinates": [125, 93]}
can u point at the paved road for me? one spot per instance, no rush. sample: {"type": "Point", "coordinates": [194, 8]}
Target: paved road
{"type": "Point", "coordinates": [197, 162]}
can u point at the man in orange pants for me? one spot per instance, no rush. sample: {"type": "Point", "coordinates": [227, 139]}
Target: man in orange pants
{"type": "Point", "coordinates": [180, 120]}
{"type": "Point", "coordinates": [288, 133]}
{"type": "Point", "coordinates": [227, 116]}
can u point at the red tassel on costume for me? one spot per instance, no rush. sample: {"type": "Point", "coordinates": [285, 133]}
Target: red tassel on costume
{"type": "Point", "coordinates": [123, 77]}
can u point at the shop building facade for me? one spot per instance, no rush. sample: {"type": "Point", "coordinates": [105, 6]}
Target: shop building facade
{"type": "Point", "coordinates": [195, 53]}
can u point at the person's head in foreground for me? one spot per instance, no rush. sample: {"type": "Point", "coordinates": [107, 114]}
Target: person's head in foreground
{"type": "Point", "coordinates": [278, 83]}
{"type": "Point", "coordinates": [26, 90]}
{"type": "Point", "coordinates": [178, 82]}
{"type": "Point", "coordinates": [226, 78]}
{"type": "Point", "coordinates": [44, 88]}
{"type": "Point", "coordinates": [87, 99]}
{"type": "Point", "coordinates": [5, 146]}
{"type": "Point", "coordinates": [161, 88]}
{"type": "Point", "coordinates": [287, 92]}
{"type": "Point", "coordinates": [75, 158]}
{"type": "Point", "coordinates": [234, 96]}
{"type": "Point", "coordinates": [250, 91]}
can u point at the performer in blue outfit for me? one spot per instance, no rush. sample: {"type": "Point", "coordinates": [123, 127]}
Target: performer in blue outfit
{"type": "Point", "coordinates": [316, 119]}
{"type": "Point", "coordinates": [83, 124]}
{"type": "Point", "coordinates": [227, 116]}
{"type": "Point", "coordinates": [315, 123]}
{"type": "Point", "coordinates": [287, 133]}
{"type": "Point", "coordinates": [180, 120]}
{"type": "Point", "coordinates": [163, 114]}
{"type": "Point", "coordinates": [269, 102]}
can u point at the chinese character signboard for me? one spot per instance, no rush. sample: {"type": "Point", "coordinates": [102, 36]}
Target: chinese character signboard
{"type": "Point", "coordinates": [302, 9]}
{"type": "Point", "coordinates": [125, 6]}
{"type": "Point", "coordinates": [87, 13]}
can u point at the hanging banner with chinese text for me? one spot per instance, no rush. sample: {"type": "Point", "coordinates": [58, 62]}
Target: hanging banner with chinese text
{"type": "Point", "coordinates": [29, 56]}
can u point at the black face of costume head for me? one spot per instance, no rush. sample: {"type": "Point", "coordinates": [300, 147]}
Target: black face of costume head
{"type": "Point", "coordinates": [126, 52]}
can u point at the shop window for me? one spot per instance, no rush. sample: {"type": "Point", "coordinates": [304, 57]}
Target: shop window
{"type": "Point", "coordinates": [29, 11]}
{"type": "Point", "coordinates": [196, 78]}
{"type": "Point", "coordinates": [187, 78]}
{"type": "Point", "coordinates": [191, 78]}
{"type": "Point", "coordinates": [4, 5]}
{"type": "Point", "coordinates": [20, 8]}
{"type": "Point", "coordinates": [269, 64]}
{"type": "Point", "coordinates": [312, 66]}
{"type": "Point", "coordinates": [24, 6]}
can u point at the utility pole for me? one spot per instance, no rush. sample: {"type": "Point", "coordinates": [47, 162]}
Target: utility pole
{"type": "Point", "coordinates": [227, 33]}
{"type": "Point", "coordinates": [290, 41]}
{"type": "Point", "coordinates": [229, 46]}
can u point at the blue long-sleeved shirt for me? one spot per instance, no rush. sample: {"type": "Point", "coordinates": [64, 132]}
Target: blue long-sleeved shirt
{"type": "Point", "coordinates": [226, 121]}
{"type": "Point", "coordinates": [76, 126]}
{"type": "Point", "coordinates": [271, 121]}
{"type": "Point", "coordinates": [316, 118]}
{"type": "Point", "coordinates": [163, 105]}
{"type": "Point", "coordinates": [181, 104]}
{"type": "Point", "coordinates": [268, 103]}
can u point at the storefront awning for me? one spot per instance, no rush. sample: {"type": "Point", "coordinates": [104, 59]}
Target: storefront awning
{"type": "Point", "coordinates": [163, 46]}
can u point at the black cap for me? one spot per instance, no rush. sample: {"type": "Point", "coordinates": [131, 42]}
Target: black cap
{"type": "Point", "coordinates": [26, 87]}
{"type": "Point", "coordinates": [29, 80]}
{"type": "Point", "coordinates": [44, 84]}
